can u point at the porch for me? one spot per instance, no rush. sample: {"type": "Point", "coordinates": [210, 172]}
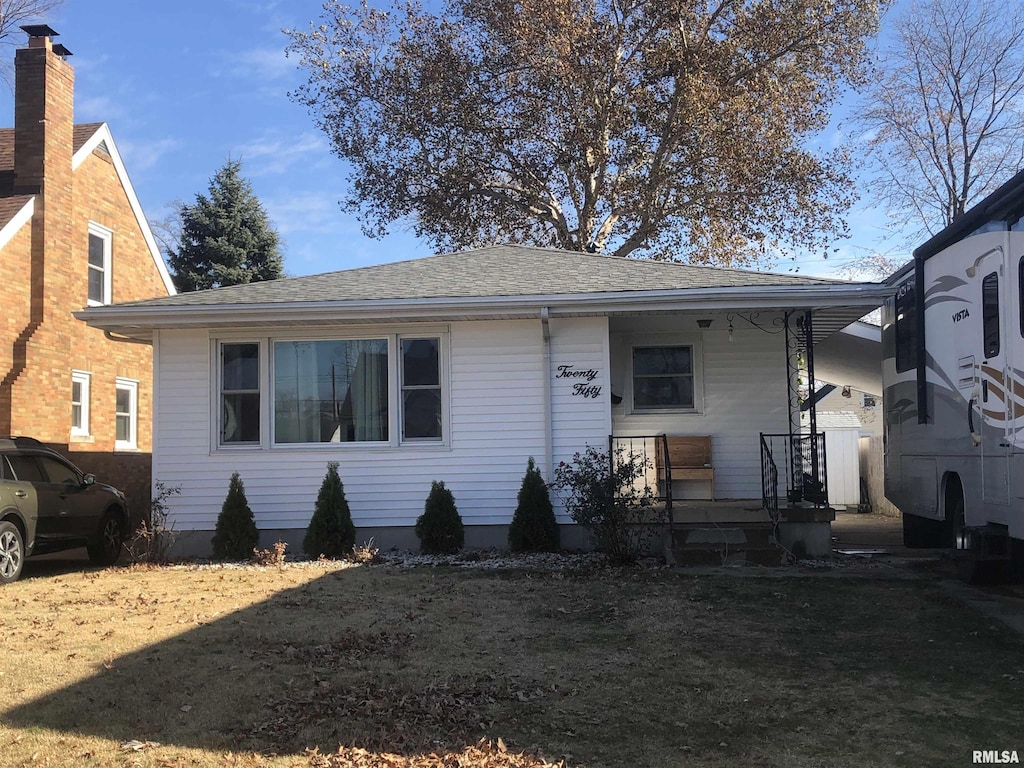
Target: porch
{"type": "Point", "coordinates": [719, 407]}
{"type": "Point", "coordinates": [791, 519]}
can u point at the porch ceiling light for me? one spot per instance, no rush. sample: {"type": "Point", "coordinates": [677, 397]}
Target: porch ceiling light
{"type": "Point", "coordinates": [704, 322]}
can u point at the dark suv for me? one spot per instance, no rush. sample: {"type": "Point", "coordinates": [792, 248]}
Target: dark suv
{"type": "Point", "coordinates": [47, 504]}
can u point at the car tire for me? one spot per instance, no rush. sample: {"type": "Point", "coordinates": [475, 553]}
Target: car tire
{"type": "Point", "coordinates": [106, 548]}
{"type": "Point", "coordinates": [12, 552]}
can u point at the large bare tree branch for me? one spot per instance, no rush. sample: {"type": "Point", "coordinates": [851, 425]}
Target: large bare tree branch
{"type": "Point", "coordinates": [676, 130]}
{"type": "Point", "coordinates": [946, 113]}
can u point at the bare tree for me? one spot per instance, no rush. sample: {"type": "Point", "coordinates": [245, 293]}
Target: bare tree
{"type": "Point", "coordinates": [14, 13]}
{"type": "Point", "coordinates": [945, 116]}
{"type": "Point", "coordinates": [678, 130]}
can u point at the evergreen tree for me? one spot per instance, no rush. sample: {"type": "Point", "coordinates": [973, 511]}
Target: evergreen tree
{"type": "Point", "coordinates": [439, 528]}
{"type": "Point", "coordinates": [235, 536]}
{"type": "Point", "coordinates": [330, 532]}
{"type": "Point", "coordinates": [226, 238]}
{"type": "Point", "coordinates": [533, 527]}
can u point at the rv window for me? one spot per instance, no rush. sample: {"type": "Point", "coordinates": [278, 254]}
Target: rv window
{"type": "Point", "coordinates": [1020, 293]}
{"type": "Point", "coordinates": [990, 313]}
{"type": "Point", "coordinates": [906, 329]}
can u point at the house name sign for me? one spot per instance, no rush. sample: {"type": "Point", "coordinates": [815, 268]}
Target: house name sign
{"type": "Point", "coordinates": [584, 386]}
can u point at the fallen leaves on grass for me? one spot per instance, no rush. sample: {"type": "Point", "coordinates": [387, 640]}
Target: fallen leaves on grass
{"type": "Point", "coordinates": [484, 754]}
{"type": "Point", "coordinates": [393, 718]}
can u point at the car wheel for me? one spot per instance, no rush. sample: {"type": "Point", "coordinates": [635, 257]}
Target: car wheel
{"type": "Point", "coordinates": [12, 552]}
{"type": "Point", "coordinates": [106, 549]}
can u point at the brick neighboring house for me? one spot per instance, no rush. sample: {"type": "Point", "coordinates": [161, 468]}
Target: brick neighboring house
{"type": "Point", "coordinates": [72, 234]}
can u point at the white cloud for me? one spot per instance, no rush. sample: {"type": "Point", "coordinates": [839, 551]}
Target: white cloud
{"type": "Point", "coordinates": [275, 154]}
{"type": "Point", "coordinates": [309, 212]}
{"type": "Point", "coordinates": [142, 155]}
{"type": "Point", "coordinates": [268, 63]}
{"type": "Point", "coordinates": [101, 108]}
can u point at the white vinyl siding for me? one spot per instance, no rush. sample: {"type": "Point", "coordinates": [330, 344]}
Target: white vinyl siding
{"type": "Point", "coordinates": [743, 393]}
{"type": "Point", "coordinates": [496, 386]}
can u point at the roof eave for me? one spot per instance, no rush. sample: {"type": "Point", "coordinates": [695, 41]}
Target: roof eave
{"type": "Point", "coordinates": [868, 295]}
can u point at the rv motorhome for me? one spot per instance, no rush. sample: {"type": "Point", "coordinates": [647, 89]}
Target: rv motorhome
{"type": "Point", "coordinates": [953, 388]}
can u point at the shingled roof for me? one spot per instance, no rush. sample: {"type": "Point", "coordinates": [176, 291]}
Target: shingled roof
{"type": "Point", "coordinates": [495, 271]}
{"type": "Point", "coordinates": [10, 203]}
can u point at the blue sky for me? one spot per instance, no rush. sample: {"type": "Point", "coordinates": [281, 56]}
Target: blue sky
{"type": "Point", "coordinates": [185, 85]}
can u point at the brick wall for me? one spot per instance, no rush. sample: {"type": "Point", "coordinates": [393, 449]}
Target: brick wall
{"type": "Point", "coordinates": [47, 279]}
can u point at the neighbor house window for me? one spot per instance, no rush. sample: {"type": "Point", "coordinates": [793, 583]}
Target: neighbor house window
{"type": "Point", "coordinates": [79, 403]}
{"type": "Point", "coordinates": [331, 391]}
{"type": "Point", "coordinates": [100, 239]}
{"type": "Point", "coordinates": [240, 393]}
{"type": "Point", "coordinates": [126, 414]}
{"type": "Point", "coordinates": [663, 377]}
{"type": "Point", "coordinates": [421, 389]}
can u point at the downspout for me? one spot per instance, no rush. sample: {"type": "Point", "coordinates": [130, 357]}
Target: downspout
{"type": "Point", "coordinates": [548, 437]}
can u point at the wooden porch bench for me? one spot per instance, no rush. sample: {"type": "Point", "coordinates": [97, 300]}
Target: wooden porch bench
{"type": "Point", "coordinates": [689, 458]}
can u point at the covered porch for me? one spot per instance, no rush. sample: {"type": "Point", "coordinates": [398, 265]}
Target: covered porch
{"type": "Point", "coordinates": [711, 402]}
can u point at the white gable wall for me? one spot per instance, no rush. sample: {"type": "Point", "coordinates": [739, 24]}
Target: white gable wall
{"type": "Point", "coordinates": [496, 396]}
{"type": "Point", "coordinates": [741, 393]}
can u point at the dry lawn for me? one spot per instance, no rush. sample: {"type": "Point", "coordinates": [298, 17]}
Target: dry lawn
{"type": "Point", "coordinates": [331, 666]}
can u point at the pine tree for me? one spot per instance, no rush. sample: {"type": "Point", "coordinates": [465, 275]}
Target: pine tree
{"type": "Point", "coordinates": [330, 532]}
{"type": "Point", "coordinates": [439, 528]}
{"type": "Point", "coordinates": [533, 527]}
{"type": "Point", "coordinates": [226, 238]}
{"type": "Point", "coordinates": [236, 535]}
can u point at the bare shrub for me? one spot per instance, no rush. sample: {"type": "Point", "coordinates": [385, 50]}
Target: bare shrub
{"type": "Point", "coordinates": [152, 540]}
{"type": "Point", "coordinates": [269, 557]}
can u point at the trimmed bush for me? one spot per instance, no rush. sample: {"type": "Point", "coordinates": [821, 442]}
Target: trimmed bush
{"type": "Point", "coordinates": [235, 536]}
{"type": "Point", "coordinates": [439, 528]}
{"type": "Point", "coordinates": [330, 532]}
{"type": "Point", "coordinates": [533, 527]}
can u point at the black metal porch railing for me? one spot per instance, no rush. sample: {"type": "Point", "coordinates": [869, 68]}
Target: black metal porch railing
{"type": "Point", "coordinates": [803, 457]}
{"type": "Point", "coordinates": [646, 449]}
{"type": "Point", "coordinates": [769, 482]}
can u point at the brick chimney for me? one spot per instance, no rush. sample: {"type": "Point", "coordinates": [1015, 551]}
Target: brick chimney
{"type": "Point", "coordinates": [44, 88]}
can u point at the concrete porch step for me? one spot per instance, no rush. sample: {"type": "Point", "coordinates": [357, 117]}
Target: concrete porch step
{"type": "Point", "coordinates": [723, 544]}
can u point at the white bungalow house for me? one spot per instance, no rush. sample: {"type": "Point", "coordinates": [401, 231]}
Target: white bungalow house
{"type": "Point", "coordinates": [458, 367]}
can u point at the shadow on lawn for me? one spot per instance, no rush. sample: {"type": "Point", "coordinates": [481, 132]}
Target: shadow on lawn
{"type": "Point", "coordinates": [312, 666]}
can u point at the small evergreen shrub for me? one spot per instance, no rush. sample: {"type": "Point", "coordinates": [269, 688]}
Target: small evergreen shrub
{"type": "Point", "coordinates": [330, 532]}
{"type": "Point", "coordinates": [533, 527]}
{"type": "Point", "coordinates": [439, 528]}
{"type": "Point", "coordinates": [235, 536]}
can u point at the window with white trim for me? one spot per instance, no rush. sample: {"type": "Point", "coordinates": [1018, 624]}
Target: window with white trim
{"type": "Point", "coordinates": [331, 391]}
{"type": "Point", "coordinates": [100, 240]}
{"type": "Point", "coordinates": [422, 414]}
{"type": "Point", "coordinates": [126, 414]}
{"type": "Point", "coordinates": [385, 390]}
{"type": "Point", "coordinates": [240, 393]}
{"type": "Point", "coordinates": [663, 377]}
{"type": "Point", "coordinates": [79, 403]}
